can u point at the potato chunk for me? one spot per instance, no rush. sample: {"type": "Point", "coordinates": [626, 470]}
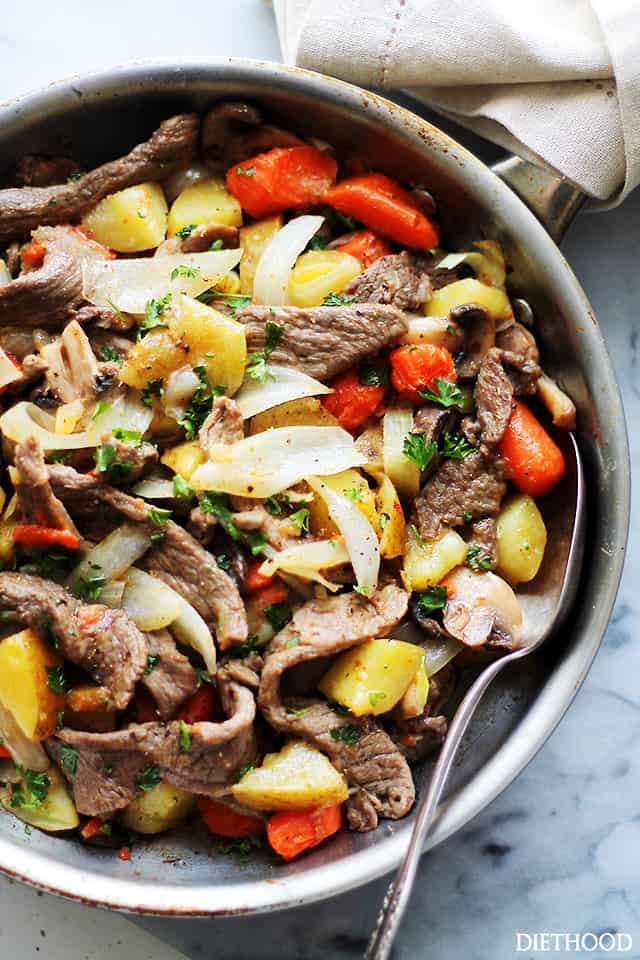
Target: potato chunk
{"type": "Point", "coordinates": [391, 522]}
{"type": "Point", "coordinates": [306, 412]}
{"type": "Point", "coordinates": [456, 294]}
{"type": "Point", "coordinates": [297, 777]}
{"type": "Point", "coordinates": [318, 273]}
{"type": "Point", "coordinates": [184, 458]}
{"type": "Point", "coordinates": [159, 809]}
{"type": "Point", "coordinates": [130, 220]}
{"type": "Point", "coordinates": [521, 539]}
{"type": "Point", "coordinates": [426, 564]}
{"type": "Point", "coordinates": [207, 201]}
{"type": "Point", "coordinates": [349, 483]}
{"type": "Point", "coordinates": [56, 812]}
{"type": "Point", "coordinates": [254, 239]}
{"type": "Point", "coordinates": [24, 683]}
{"type": "Point", "coordinates": [372, 677]}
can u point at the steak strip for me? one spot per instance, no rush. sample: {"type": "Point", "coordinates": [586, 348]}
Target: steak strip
{"type": "Point", "coordinates": [37, 502]}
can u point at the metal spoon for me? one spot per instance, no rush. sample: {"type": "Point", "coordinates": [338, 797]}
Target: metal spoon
{"type": "Point", "coordinates": [545, 603]}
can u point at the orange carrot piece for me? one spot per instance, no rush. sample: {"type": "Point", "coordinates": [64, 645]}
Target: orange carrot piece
{"type": "Point", "coordinates": [4, 753]}
{"type": "Point", "coordinates": [352, 402]}
{"type": "Point", "coordinates": [384, 205]}
{"type": "Point", "coordinates": [414, 367]}
{"type": "Point", "coordinates": [255, 580]}
{"type": "Point", "coordinates": [91, 828]}
{"type": "Point", "coordinates": [365, 245]}
{"type": "Point", "coordinates": [202, 706]}
{"type": "Point", "coordinates": [533, 461]}
{"type": "Point", "coordinates": [225, 822]}
{"type": "Point", "coordinates": [33, 535]}
{"type": "Point", "coordinates": [124, 853]}
{"type": "Point", "coordinates": [281, 178]}
{"type": "Point", "coordinates": [291, 832]}
{"type": "Point", "coordinates": [32, 255]}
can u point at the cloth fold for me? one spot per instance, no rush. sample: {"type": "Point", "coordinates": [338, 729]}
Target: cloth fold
{"type": "Point", "coordinates": [557, 81]}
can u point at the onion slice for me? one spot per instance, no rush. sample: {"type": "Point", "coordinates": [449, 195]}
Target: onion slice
{"type": "Point", "coordinates": [130, 284]}
{"type": "Point", "coordinates": [403, 473]}
{"type": "Point", "coordinates": [283, 384]}
{"type": "Point", "coordinates": [24, 752]}
{"type": "Point", "coordinates": [154, 488]}
{"type": "Point", "coordinates": [273, 460]}
{"type": "Point", "coordinates": [113, 555]}
{"type": "Point", "coordinates": [359, 536]}
{"type": "Point", "coordinates": [149, 602]}
{"type": "Point", "coordinates": [189, 628]}
{"type": "Point", "coordinates": [276, 263]}
{"type": "Point", "coordinates": [437, 653]}
{"type": "Point", "coordinates": [305, 560]}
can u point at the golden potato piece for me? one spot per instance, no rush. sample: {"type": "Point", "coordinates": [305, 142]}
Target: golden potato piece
{"type": "Point", "coordinates": [215, 341]}
{"type": "Point", "coordinates": [306, 412]}
{"type": "Point", "coordinates": [297, 777]}
{"type": "Point", "coordinates": [56, 812]}
{"type": "Point", "coordinates": [349, 483]}
{"type": "Point", "coordinates": [159, 809]}
{"type": "Point", "coordinates": [391, 521]}
{"type": "Point", "coordinates": [207, 201]}
{"type": "Point", "coordinates": [318, 273]}
{"type": "Point", "coordinates": [253, 240]}
{"type": "Point", "coordinates": [372, 677]}
{"type": "Point", "coordinates": [460, 292]}
{"type": "Point", "coordinates": [28, 683]}
{"type": "Point", "coordinates": [130, 220]}
{"type": "Point", "coordinates": [184, 458]}
{"type": "Point", "coordinates": [521, 539]}
{"type": "Point", "coordinates": [426, 564]}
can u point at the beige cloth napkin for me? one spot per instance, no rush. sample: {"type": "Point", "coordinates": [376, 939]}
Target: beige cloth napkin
{"type": "Point", "coordinates": [551, 80]}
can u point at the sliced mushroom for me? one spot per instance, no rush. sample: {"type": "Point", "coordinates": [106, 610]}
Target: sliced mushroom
{"type": "Point", "coordinates": [483, 610]}
{"type": "Point", "coordinates": [479, 336]}
{"type": "Point", "coordinates": [72, 370]}
{"type": "Point", "coordinates": [425, 201]}
{"type": "Point", "coordinates": [560, 406]}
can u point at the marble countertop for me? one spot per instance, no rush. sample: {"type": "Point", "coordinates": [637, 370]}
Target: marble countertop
{"type": "Point", "coordinates": [559, 849]}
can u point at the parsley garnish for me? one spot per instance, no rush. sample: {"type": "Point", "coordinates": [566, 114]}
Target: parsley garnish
{"type": "Point", "coordinates": [153, 659]}
{"type": "Point", "coordinates": [68, 758]}
{"type": "Point", "coordinates": [349, 734]}
{"type": "Point", "coordinates": [204, 677]}
{"type": "Point", "coordinates": [110, 353]}
{"type": "Point", "coordinates": [433, 598]}
{"type": "Point", "coordinates": [181, 488]}
{"type": "Point", "coordinates": [417, 448]}
{"type": "Point", "coordinates": [153, 391]}
{"type": "Point", "coordinates": [242, 847]}
{"type": "Point", "coordinates": [244, 769]}
{"type": "Point", "coordinates": [477, 559]}
{"type": "Point", "coordinates": [224, 562]}
{"type": "Point", "coordinates": [257, 366]}
{"type": "Point", "coordinates": [245, 171]}
{"type": "Point", "coordinates": [300, 519]}
{"type": "Point", "coordinates": [244, 649]}
{"type": "Point", "coordinates": [338, 299]}
{"type": "Point", "coordinates": [149, 778]}
{"type": "Point", "coordinates": [298, 711]}
{"type": "Point", "coordinates": [338, 707]}
{"type": "Point", "coordinates": [415, 533]}
{"type": "Point", "coordinates": [36, 786]}
{"type": "Point", "coordinates": [158, 515]}
{"type": "Point", "coordinates": [376, 698]}
{"type": "Point", "coordinates": [317, 243]}
{"type": "Point", "coordinates": [123, 320]}
{"type": "Point", "coordinates": [108, 769]}
{"type": "Point", "coordinates": [56, 680]}
{"type": "Point", "coordinates": [466, 516]}
{"type": "Point", "coordinates": [218, 504]}
{"type": "Point", "coordinates": [292, 642]}
{"type": "Point", "coordinates": [59, 456]}
{"type": "Point", "coordinates": [347, 221]}
{"type": "Point", "coordinates": [233, 300]}
{"type": "Point", "coordinates": [185, 232]}
{"type": "Point", "coordinates": [154, 315]}
{"type": "Point", "coordinates": [142, 214]}
{"type": "Point", "coordinates": [185, 737]}
{"type": "Point", "coordinates": [101, 407]}
{"type": "Point", "coordinates": [127, 436]}
{"type": "Point", "coordinates": [217, 244]}
{"type": "Point", "coordinates": [278, 615]}
{"type": "Point", "coordinates": [76, 175]}
{"type": "Point", "coordinates": [105, 459]}
{"type": "Point", "coordinates": [201, 403]}
{"type": "Point", "coordinates": [383, 520]}
{"type": "Point", "coordinates": [273, 504]}
{"type": "Point", "coordinates": [353, 494]}
{"type": "Point", "coordinates": [91, 586]}
{"type": "Point", "coordinates": [373, 373]}
{"type": "Point", "coordinates": [446, 393]}
{"type": "Point", "coordinates": [455, 447]}
{"type": "Point", "coordinates": [184, 271]}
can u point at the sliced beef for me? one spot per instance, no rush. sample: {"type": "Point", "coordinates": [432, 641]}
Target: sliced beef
{"type": "Point", "coordinates": [204, 235]}
{"type": "Point", "coordinates": [263, 138]}
{"type": "Point", "coordinates": [179, 560]}
{"type": "Point", "coordinates": [170, 148]}
{"type": "Point", "coordinates": [379, 778]}
{"type": "Point", "coordinates": [474, 486]}
{"type": "Point", "coordinates": [251, 516]}
{"type": "Point", "coordinates": [202, 526]}
{"type": "Point", "coordinates": [224, 425]}
{"type": "Point", "coordinates": [433, 421]}
{"type": "Point", "coordinates": [44, 297]}
{"type": "Point", "coordinates": [38, 170]}
{"type": "Point", "coordinates": [37, 502]}
{"type": "Point", "coordinates": [323, 341]}
{"type": "Point", "coordinates": [102, 641]}
{"type": "Point", "coordinates": [479, 329]}
{"type": "Point", "coordinates": [172, 679]}
{"type": "Point", "coordinates": [221, 122]}
{"type": "Point", "coordinates": [521, 357]}
{"type": "Point", "coordinates": [493, 394]}
{"type": "Point", "coordinates": [140, 456]}
{"type": "Point", "coordinates": [395, 280]}
{"type": "Point", "coordinates": [484, 536]}
{"type": "Point", "coordinates": [109, 765]}
{"type": "Point", "coordinates": [102, 316]}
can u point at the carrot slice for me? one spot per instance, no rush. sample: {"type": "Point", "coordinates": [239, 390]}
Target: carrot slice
{"type": "Point", "coordinates": [291, 832]}
{"type": "Point", "coordinates": [32, 255]}
{"type": "Point", "coordinates": [281, 178]}
{"type": "Point", "coordinates": [365, 245]}
{"type": "Point", "coordinates": [352, 402]}
{"type": "Point", "coordinates": [255, 580]}
{"type": "Point", "coordinates": [414, 367]}
{"type": "Point", "coordinates": [33, 535]}
{"type": "Point", "coordinates": [225, 822]}
{"type": "Point", "coordinates": [203, 706]}
{"type": "Point", "coordinates": [533, 461]}
{"type": "Point", "coordinates": [4, 753]}
{"type": "Point", "coordinates": [384, 205]}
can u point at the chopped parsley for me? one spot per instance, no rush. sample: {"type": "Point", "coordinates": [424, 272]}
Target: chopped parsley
{"type": "Point", "coordinates": [52, 202]}
{"type": "Point", "coordinates": [298, 711]}
{"type": "Point", "coordinates": [159, 515]}
{"type": "Point", "coordinates": [257, 365]}
{"type": "Point", "coordinates": [56, 680]}
{"type": "Point", "coordinates": [242, 846]}
{"type": "Point", "coordinates": [105, 457]}
{"type": "Point", "coordinates": [32, 791]}
{"type": "Point", "coordinates": [201, 403]}
{"type": "Point", "coordinates": [185, 232]}
{"type": "Point", "coordinates": [152, 392]}
{"type": "Point", "coordinates": [123, 320]}
{"type": "Point", "coordinates": [347, 221]}
{"type": "Point", "coordinates": [101, 407]}
{"type": "Point", "coordinates": [373, 373]}
{"type": "Point", "coordinates": [110, 353]}
{"type": "Point", "coordinates": [218, 504]}
{"type": "Point", "coordinates": [338, 707]}
{"type": "Point", "coordinates": [252, 645]}
{"type": "Point", "coordinates": [59, 456]}
{"type": "Point", "coordinates": [338, 299]}
{"type": "Point", "coordinates": [108, 769]}
{"type": "Point", "coordinates": [376, 698]}
{"type": "Point", "coordinates": [90, 587]}
{"type": "Point", "coordinates": [224, 562]}
{"type": "Point", "coordinates": [278, 615]}
{"type": "Point", "coordinates": [415, 533]}
{"type": "Point", "coordinates": [185, 737]}
{"type": "Point", "coordinates": [184, 271]}
{"type": "Point", "coordinates": [349, 734]}
{"type": "Point", "coordinates": [383, 520]}
{"type": "Point", "coordinates": [76, 175]}
{"type": "Point", "coordinates": [244, 769]}
{"type": "Point", "coordinates": [204, 677]}
{"type": "Point", "coordinates": [68, 758]}
{"type": "Point", "coordinates": [181, 488]}
{"type": "Point", "coordinates": [153, 659]}
{"type": "Point", "coordinates": [317, 243]}
{"type": "Point", "coordinates": [433, 598]}
{"type": "Point", "coordinates": [127, 436]}
{"type": "Point", "coordinates": [273, 504]}
{"type": "Point", "coordinates": [466, 516]}
{"type": "Point", "coordinates": [106, 828]}
{"type": "Point", "coordinates": [477, 559]}
{"type": "Point", "coordinates": [142, 214]}
{"type": "Point", "coordinates": [353, 494]}
{"type": "Point", "coordinates": [149, 778]}
{"type": "Point", "coordinates": [300, 519]}
{"type": "Point", "coordinates": [154, 315]}
{"type": "Point", "coordinates": [233, 300]}
{"type": "Point", "coordinates": [455, 447]}
{"type": "Point", "coordinates": [217, 245]}
{"type": "Point", "coordinates": [446, 393]}
{"type": "Point", "coordinates": [292, 642]}
{"type": "Point", "coordinates": [417, 448]}
{"type": "Point", "coordinates": [245, 171]}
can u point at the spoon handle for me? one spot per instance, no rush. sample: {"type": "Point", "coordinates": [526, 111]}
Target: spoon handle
{"type": "Point", "coordinates": [399, 890]}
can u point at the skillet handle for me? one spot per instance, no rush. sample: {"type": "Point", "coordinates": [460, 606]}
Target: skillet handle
{"type": "Point", "coordinates": [552, 198]}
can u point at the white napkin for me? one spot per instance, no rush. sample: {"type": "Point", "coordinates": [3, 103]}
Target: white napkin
{"type": "Point", "coordinates": [556, 81]}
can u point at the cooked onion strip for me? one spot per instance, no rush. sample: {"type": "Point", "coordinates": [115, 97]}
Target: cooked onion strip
{"type": "Point", "coordinates": [271, 461]}
{"type": "Point", "coordinates": [149, 602]}
{"type": "Point", "coordinates": [282, 385]}
{"type": "Point", "coordinates": [114, 555]}
{"type": "Point", "coordinates": [154, 488]}
{"type": "Point", "coordinates": [276, 263]}
{"type": "Point", "coordinates": [359, 536]}
{"type": "Point", "coordinates": [189, 628]}
{"type": "Point", "coordinates": [24, 752]}
{"type": "Point", "coordinates": [129, 284]}
{"type": "Point", "coordinates": [305, 560]}
{"type": "Point", "coordinates": [437, 653]}
{"type": "Point", "coordinates": [403, 473]}
{"type": "Point", "coordinates": [9, 372]}
{"type": "Point", "coordinates": [488, 265]}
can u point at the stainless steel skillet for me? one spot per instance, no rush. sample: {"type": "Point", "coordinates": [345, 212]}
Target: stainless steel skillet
{"type": "Point", "coordinates": [96, 117]}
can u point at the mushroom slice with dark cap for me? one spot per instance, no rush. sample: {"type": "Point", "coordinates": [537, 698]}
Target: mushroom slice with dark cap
{"type": "Point", "coordinates": [483, 609]}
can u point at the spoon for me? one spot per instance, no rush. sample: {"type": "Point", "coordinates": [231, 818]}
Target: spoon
{"type": "Point", "coordinates": [545, 602]}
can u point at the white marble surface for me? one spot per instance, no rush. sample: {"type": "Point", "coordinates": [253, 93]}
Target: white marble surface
{"type": "Point", "coordinates": [560, 849]}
